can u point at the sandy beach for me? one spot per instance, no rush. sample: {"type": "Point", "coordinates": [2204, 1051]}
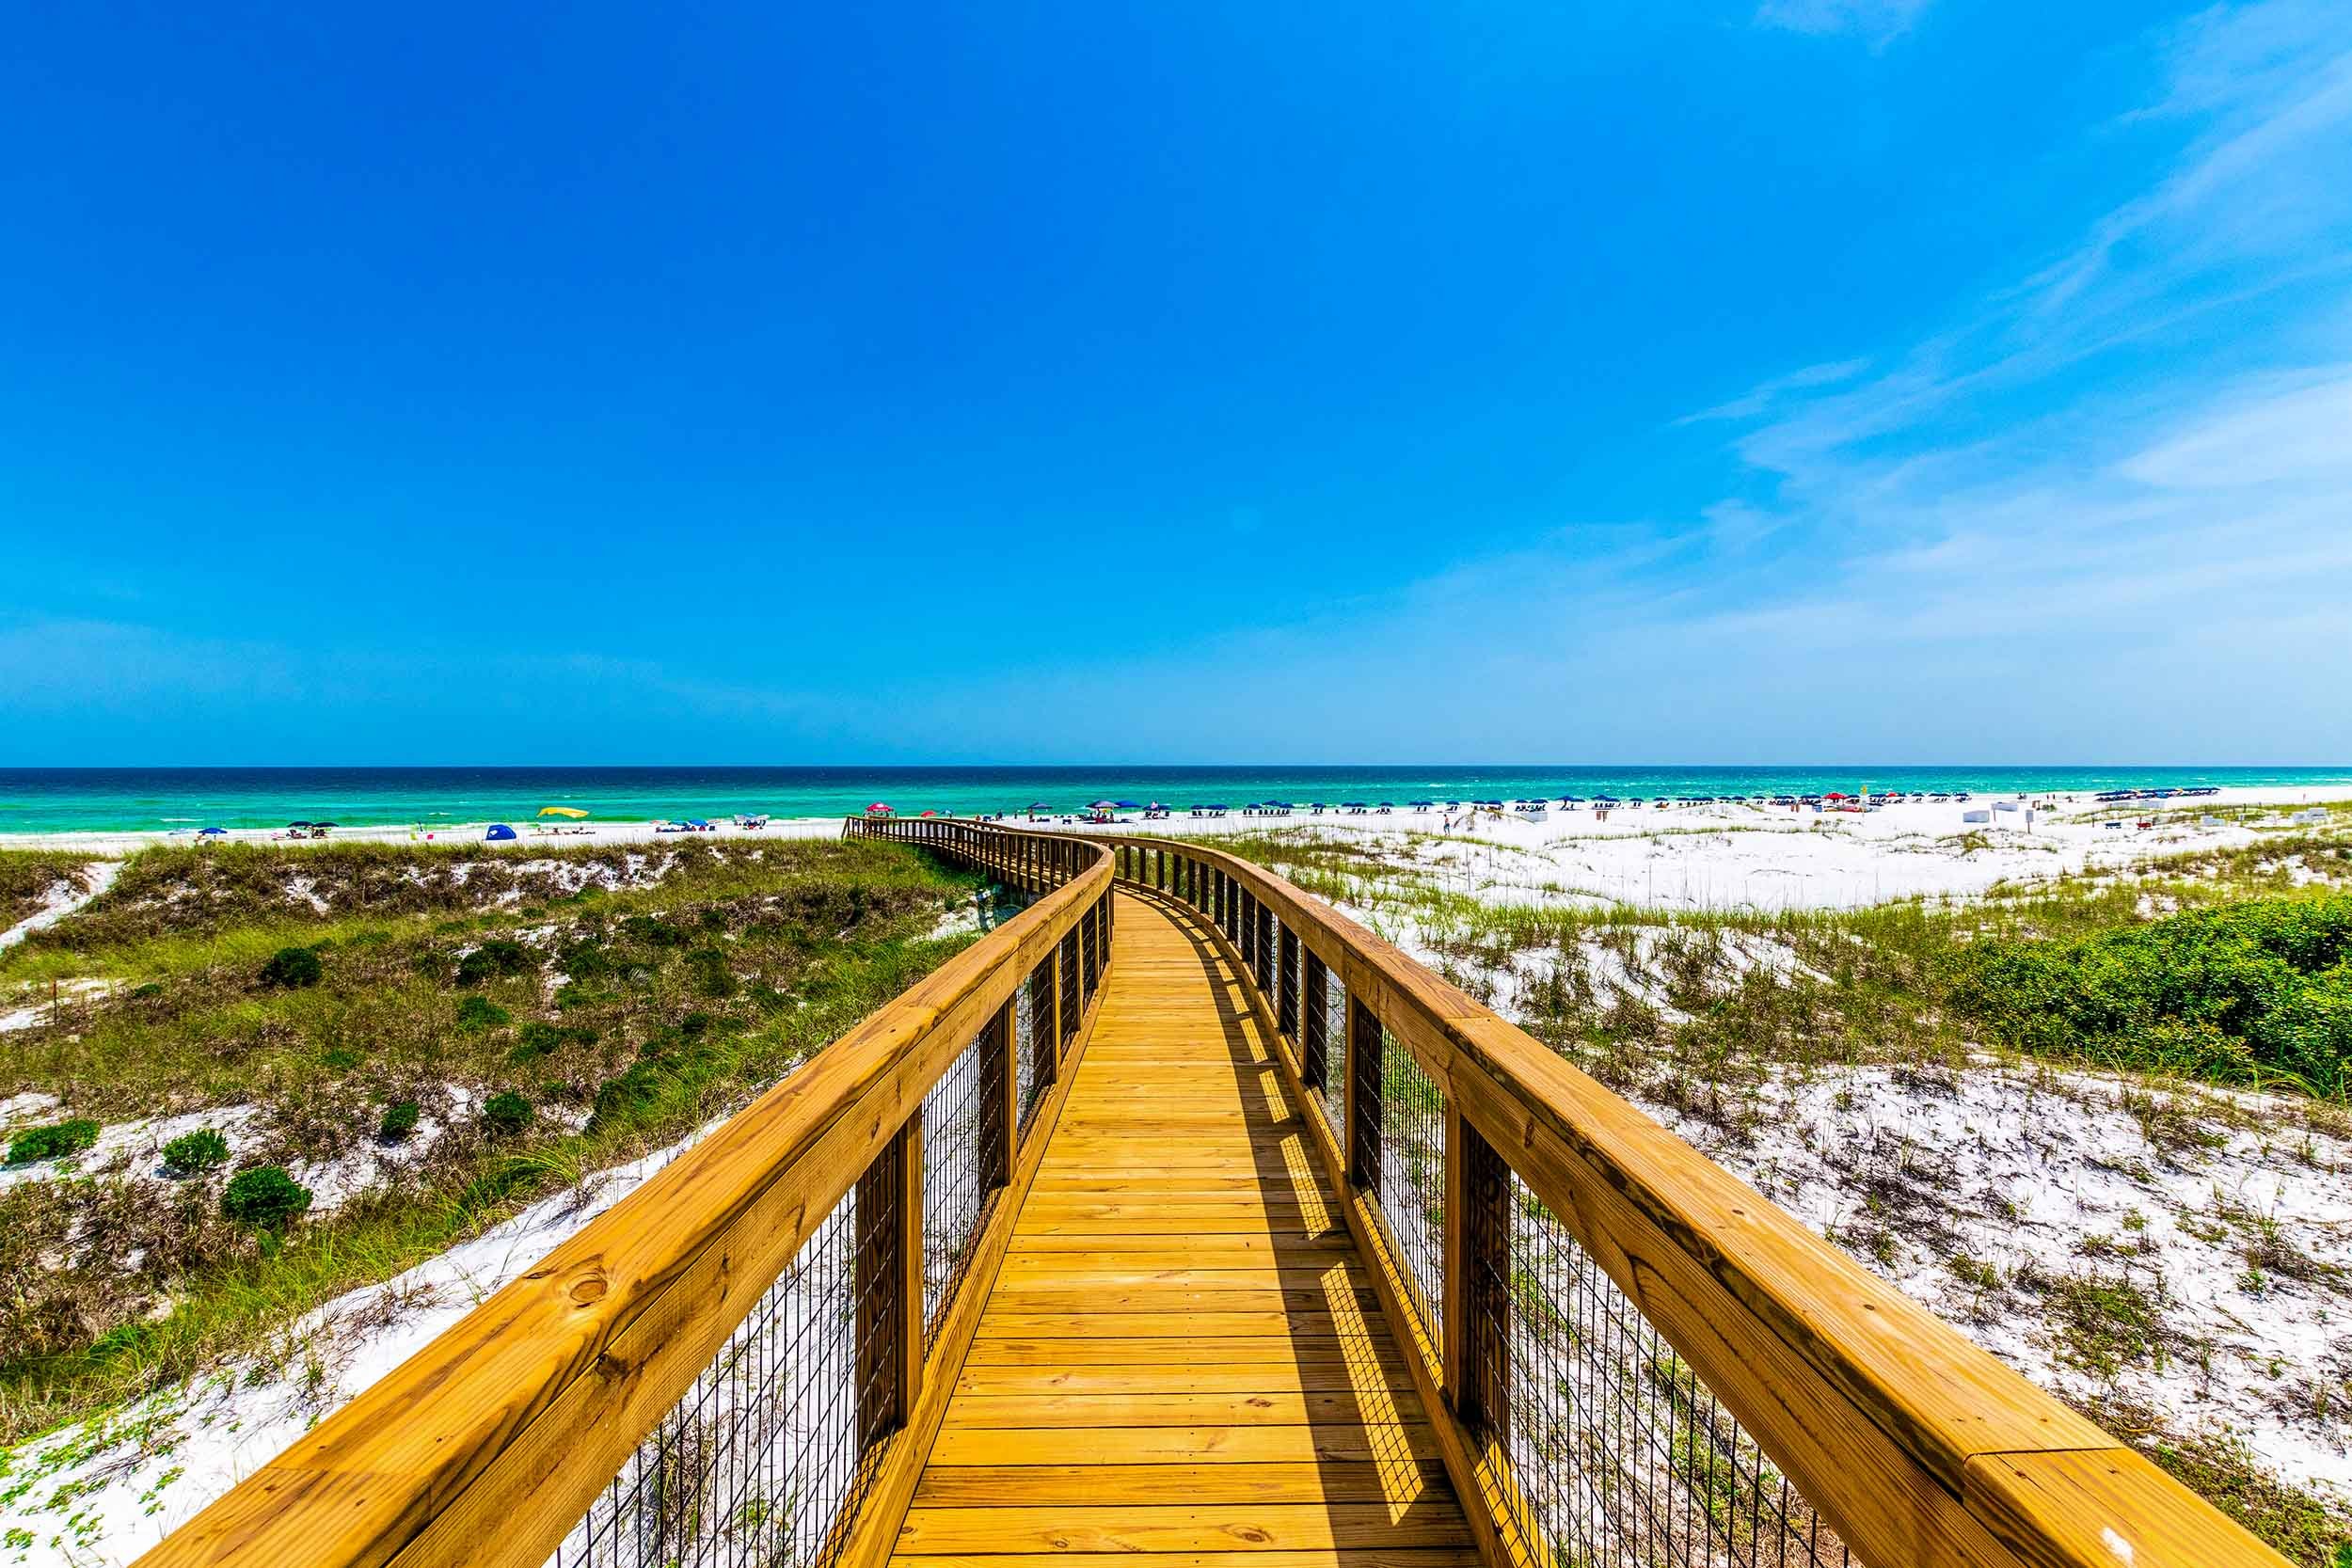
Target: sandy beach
{"type": "Point", "coordinates": [1718, 857]}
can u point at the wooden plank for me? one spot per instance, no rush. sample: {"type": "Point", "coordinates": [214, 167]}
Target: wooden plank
{"type": "Point", "coordinates": [1110, 1350]}
{"type": "Point", "coordinates": [1070, 1271]}
{"type": "Point", "coordinates": [1365, 1372]}
{"type": "Point", "coordinates": [1268, 1408]}
{"type": "Point", "coordinates": [1352, 1557]}
{"type": "Point", "coordinates": [1129, 1249]}
{"type": "Point", "coordinates": [2061, 1510]}
{"type": "Point", "coordinates": [1243, 1527]}
{"type": "Point", "coordinates": [1164, 1298]}
{"type": "Point", "coordinates": [1011, 1486]}
{"type": "Point", "coordinates": [1149, 1325]}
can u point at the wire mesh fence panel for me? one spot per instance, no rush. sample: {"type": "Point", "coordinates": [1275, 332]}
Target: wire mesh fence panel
{"type": "Point", "coordinates": [1411, 1118]}
{"type": "Point", "coordinates": [1334, 1091]}
{"type": "Point", "coordinates": [764, 1463]}
{"type": "Point", "coordinates": [1031, 1010]}
{"type": "Point", "coordinates": [959, 1152]}
{"type": "Point", "coordinates": [1070, 987]}
{"type": "Point", "coordinates": [1619, 1456]}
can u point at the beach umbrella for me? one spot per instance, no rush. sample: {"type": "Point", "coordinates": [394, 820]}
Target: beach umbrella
{"type": "Point", "coordinates": [880, 808]}
{"type": "Point", "coordinates": [930, 814]}
{"type": "Point", "coordinates": [573, 812]}
{"type": "Point", "coordinates": [1104, 805]}
{"type": "Point", "coordinates": [499, 833]}
{"type": "Point", "coordinates": [1128, 805]}
{"type": "Point", "coordinates": [213, 833]}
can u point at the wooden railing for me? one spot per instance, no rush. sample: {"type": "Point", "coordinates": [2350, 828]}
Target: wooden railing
{"type": "Point", "coordinates": [733, 1364]}
{"type": "Point", "coordinates": [1631, 1355]}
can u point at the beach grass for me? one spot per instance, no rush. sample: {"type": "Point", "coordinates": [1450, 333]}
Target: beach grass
{"type": "Point", "coordinates": [29, 879]}
{"type": "Point", "coordinates": [622, 1013]}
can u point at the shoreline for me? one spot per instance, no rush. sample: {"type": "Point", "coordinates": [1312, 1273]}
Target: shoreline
{"type": "Point", "coordinates": [1721, 857]}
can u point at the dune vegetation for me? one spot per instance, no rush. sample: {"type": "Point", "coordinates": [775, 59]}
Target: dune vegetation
{"type": "Point", "coordinates": [270, 1076]}
{"type": "Point", "coordinates": [30, 879]}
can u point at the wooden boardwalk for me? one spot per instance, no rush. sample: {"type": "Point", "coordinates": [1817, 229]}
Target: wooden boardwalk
{"type": "Point", "coordinates": [1183, 1355]}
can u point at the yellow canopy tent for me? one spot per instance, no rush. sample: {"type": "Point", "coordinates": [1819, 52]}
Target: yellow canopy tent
{"type": "Point", "coordinates": [561, 811]}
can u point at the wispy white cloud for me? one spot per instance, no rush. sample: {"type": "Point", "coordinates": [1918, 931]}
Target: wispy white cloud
{"type": "Point", "coordinates": [1876, 21]}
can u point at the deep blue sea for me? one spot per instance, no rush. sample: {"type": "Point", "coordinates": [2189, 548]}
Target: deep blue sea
{"type": "Point", "coordinates": [54, 800]}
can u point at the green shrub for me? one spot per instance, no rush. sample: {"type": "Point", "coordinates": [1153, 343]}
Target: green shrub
{"type": "Point", "coordinates": [2238, 994]}
{"type": "Point", "coordinates": [291, 968]}
{"type": "Point", "coordinates": [342, 1059]}
{"type": "Point", "coordinates": [653, 932]}
{"type": "Point", "coordinates": [539, 1039]}
{"type": "Point", "coordinates": [710, 969]}
{"type": "Point", "coordinates": [194, 1153]}
{"type": "Point", "coordinates": [479, 1012]}
{"type": "Point", "coordinates": [265, 1198]}
{"type": "Point", "coordinates": [586, 961]}
{"type": "Point", "coordinates": [53, 1142]}
{"type": "Point", "coordinates": [496, 959]}
{"type": "Point", "coordinates": [506, 1115]}
{"type": "Point", "coordinates": [400, 1120]}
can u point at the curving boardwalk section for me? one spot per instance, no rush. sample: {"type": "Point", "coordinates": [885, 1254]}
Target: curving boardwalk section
{"type": "Point", "coordinates": [1183, 1355]}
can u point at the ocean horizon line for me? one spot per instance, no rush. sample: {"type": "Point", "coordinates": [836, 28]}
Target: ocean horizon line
{"type": "Point", "coordinates": [94, 799]}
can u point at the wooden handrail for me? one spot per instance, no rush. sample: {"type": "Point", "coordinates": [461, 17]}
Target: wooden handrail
{"type": "Point", "coordinates": [1920, 1449]}
{"type": "Point", "coordinates": [487, 1447]}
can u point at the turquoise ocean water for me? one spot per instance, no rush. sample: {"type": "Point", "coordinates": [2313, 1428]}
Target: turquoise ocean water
{"type": "Point", "coordinates": [58, 800]}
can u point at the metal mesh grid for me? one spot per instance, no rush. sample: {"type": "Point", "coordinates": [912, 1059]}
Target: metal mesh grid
{"type": "Point", "coordinates": [1411, 1118]}
{"type": "Point", "coordinates": [959, 1152]}
{"type": "Point", "coordinates": [1287, 978]}
{"type": "Point", "coordinates": [762, 1461]}
{"type": "Point", "coordinates": [1619, 1456]}
{"type": "Point", "coordinates": [1334, 1091]}
{"type": "Point", "coordinates": [1032, 1020]}
{"type": "Point", "coordinates": [1070, 987]}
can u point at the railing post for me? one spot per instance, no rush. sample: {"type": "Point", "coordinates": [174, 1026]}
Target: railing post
{"type": "Point", "coordinates": [889, 1283]}
{"type": "Point", "coordinates": [1363, 1109]}
{"type": "Point", "coordinates": [1477, 1245]}
{"type": "Point", "coordinates": [1314, 1023]}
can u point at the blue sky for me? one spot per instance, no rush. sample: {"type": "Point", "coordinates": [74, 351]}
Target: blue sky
{"type": "Point", "coordinates": [1893, 380]}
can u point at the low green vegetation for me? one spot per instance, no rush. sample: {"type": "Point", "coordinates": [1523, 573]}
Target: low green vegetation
{"type": "Point", "coordinates": [265, 1198]}
{"type": "Point", "coordinates": [462, 1033]}
{"type": "Point", "coordinates": [53, 1142]}
{"type": "Point", "coordinates": [2250, 992]}
{"type": "Point", "coordinates": [2231, 966]}
{"type": "Point", "coordinates": [194, 1153]}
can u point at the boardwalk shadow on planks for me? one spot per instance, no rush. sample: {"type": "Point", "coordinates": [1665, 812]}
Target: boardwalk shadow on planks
{"type": "Point", "coordinates": [1183, 1356]}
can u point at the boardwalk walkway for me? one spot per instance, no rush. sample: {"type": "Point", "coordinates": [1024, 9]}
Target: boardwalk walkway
{"type": "Point", "coordinates": [1183, 1355]}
